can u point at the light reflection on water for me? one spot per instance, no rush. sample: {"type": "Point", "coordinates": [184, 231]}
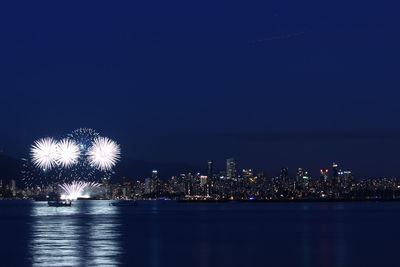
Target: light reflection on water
{"type": "Point", "coordinates": [85, 234]}
{"type": "Point", "coordinates": [154, 239]}
{"type": "Point", "coordinates": [166, 233]}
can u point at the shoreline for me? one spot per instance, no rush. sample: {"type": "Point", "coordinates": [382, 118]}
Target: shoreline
{"type": "Point", "coordinates": [233, 201]}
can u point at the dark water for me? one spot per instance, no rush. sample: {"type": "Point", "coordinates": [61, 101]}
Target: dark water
{"type": "Point", "coordinates": [165, 233]}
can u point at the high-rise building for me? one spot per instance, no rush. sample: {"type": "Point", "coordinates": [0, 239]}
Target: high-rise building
{"type": "Point", "coordinates": [203, 180]}
{"type": "Point", "coordinates": [190, 184]}
{"type": "Point", "coordinates": [299, 174]}
{"type": "Point", "coordinates": [13, 187]}
{"type": "Point", "coordinates": [335, 171]}
{"type": "Point", "coordinates": [106, 187]}
{"type": "Point", "coordinates": [284, 174]}
{"type": "Point", "coordinates": [231, 168]}
{"type": "Point", "coordinates": [346, 178]}
{"type": "Point", "coordinates": [147, 186]}
{"type": "Point", "coordinates": [155, 183]}
{"type": "Point", "coordinates": [324, 175]}
{"type": "Point", "coordinates": [182, 183]}
{"type": "Point", "coordinates": [210, 169]}
{"type": "Point", "coordinates": [247, 178]}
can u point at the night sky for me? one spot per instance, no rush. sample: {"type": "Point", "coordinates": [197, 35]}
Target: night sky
{"type": "Point", "coordinates": [272, 83]}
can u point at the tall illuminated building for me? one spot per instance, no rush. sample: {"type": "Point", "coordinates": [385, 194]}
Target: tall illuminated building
{"type": "Point", "coordinates": [231, 168]}
{"type": "Point", "coordinates": [335, 171]}
{"type": "Point", "coordinates": [203, 180]}
{"type": "Point", "coordinates": [324, 175]}
{"type": "Point", "coordinates": [284, 175]}
{"type": "Point", "coordinates": [147, 186]}
{"type": "Point", "coordinates": [13, 187]}
{"type": "Point", "coordinates": [299, 174]}
{"type": "Point", "coordinates": [210, 169]}
{"type": "Point", "coordinates": [155, 183]}
{"type": "Point", "coordinates": [346, 178]}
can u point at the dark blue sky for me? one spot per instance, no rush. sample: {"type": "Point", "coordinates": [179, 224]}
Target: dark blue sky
{"type": "Point", "coordinates": [272, 83]}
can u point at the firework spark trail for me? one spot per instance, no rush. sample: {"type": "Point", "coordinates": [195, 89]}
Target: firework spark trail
{"type": "Point", "coordinates": [75, 189]}
{"type": "Point", "coordinates": [104, 153]}
{"type": "Point", "coordinates": [83, 170]}
{"type": "Point", "coordinates": [83, 137]}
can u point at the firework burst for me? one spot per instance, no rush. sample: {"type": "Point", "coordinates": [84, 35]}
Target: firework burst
{"type": "Point", "coordinates": [75, 189]}
{"type": "Point", "coordinates": [44, 153]}
{"type": "Point", "coordinates": [81, 156]}
{"type": "Point", "coordinates": [104, 153]}
{"type": "Point", "coordinates": [67, 153]}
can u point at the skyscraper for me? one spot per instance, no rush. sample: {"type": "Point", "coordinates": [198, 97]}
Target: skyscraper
{"type": "Point", "coordinates": [231, 168]}
{"type": "Point", "coordinates": [203, 180]}
{"type": "Point", "coordinates": [13, 187]}
{"type": "Point", "coordinates": [299, 174]}
{"type": "Point", "coordinates": [324, 175]}
{"type": "Point", "coordinates": [284, 174]}
{"type": "Point", "coordinates": [147, 186]}
{"type": "Point", "coordinates": [155, 183]}
{"type": "Point", "coordinates": [335, 171]}
{"type": "Point", "coordinates": [210, 169]}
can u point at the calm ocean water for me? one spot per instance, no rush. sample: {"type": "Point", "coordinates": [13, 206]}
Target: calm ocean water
{"type": "Point", "coordinates": [166, 233]}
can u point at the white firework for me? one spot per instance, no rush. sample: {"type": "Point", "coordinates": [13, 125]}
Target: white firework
{"type": "Point", "coordinates": [67, 153]}
{"type": "Point", "coordinates": [80, 156]}
{"type": "Point", "coordinates": [76, 189]}
{"type": "Point", "coordinates": [44, 153]}
{"type": "Point", "coordinates": [104, 153]}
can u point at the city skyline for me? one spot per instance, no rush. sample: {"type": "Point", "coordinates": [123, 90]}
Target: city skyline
{"type": "Point", "coordinates": [275, 151]}
{"type": "Point", "coordinates": [139, 168]}
{"type": "Point", "coordinates": [199, 133]}
{"type": "Point", "coordinates": [272, 84]}
{"type": "Point", "coordinates": [334, 184]}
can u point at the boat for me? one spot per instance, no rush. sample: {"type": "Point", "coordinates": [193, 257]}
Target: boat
{"type": "Point", "coordinates": [59, 204]}
{"type": "Point", "coordinates": [124, 203]}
